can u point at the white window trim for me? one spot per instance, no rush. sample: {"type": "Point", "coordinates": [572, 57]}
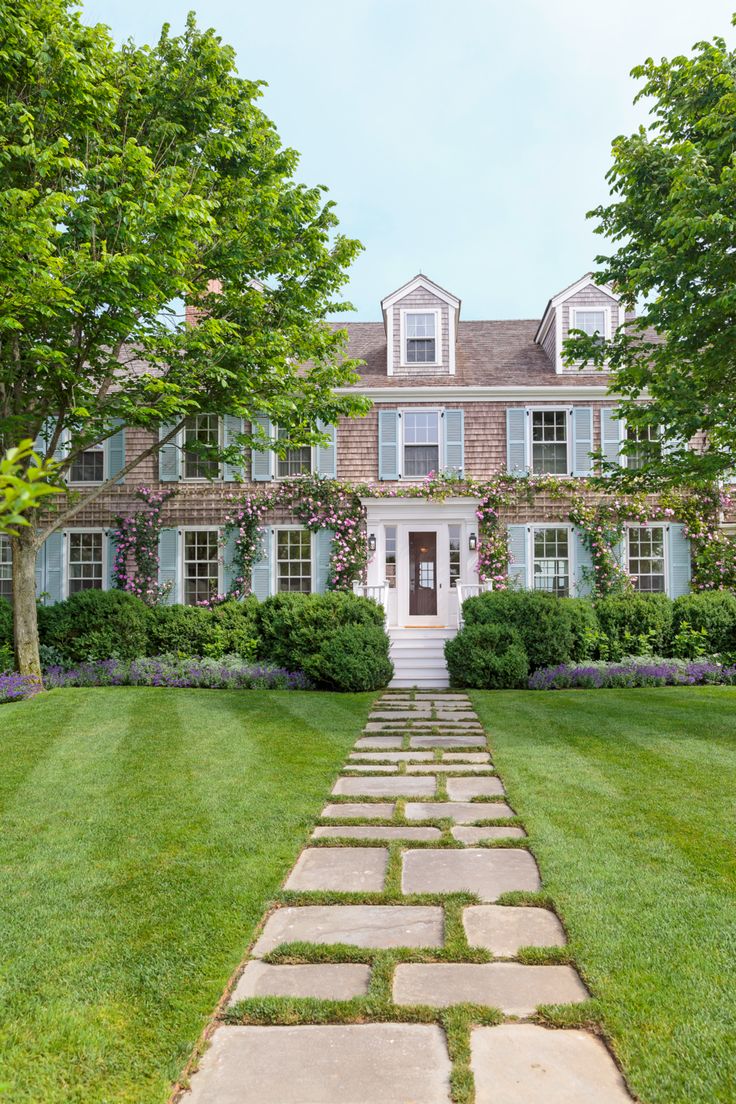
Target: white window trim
{"type": "Point", "coordinates": [664, 526]}
{"type": "Point", "coordinates": [571, 562]}
{"type": "Point", "coordinates": [439, 411]}
{"type": "Point", "coordinates": [274, 556]}
{"type": "Point", "coordinates": [180, 571]}
{"type": "Point", "coordinates": [180, 444]}
{"type": "Point", "coordinates": [531, 411]}
{"type": "Point", "coordinates": [106, 553]}
{"type": "Point", "coordinates": [414, 366]}
{"type": "Point", "coordinates": [602, 309]}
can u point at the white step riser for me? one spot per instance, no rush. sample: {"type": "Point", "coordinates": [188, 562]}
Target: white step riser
{"type": "Point", "coordinates": [418, 656]}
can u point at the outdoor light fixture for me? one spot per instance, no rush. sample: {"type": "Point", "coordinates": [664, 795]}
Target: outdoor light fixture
{"type": "Point", "coordinates": [472, 542]}
{"type": "Point", "coordinates": [372, 542]}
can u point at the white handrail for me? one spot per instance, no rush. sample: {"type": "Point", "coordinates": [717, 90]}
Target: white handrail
{"type": "Point", "coordinates": [377, 591]}
{"type": "Point", "coordinates": [469, 590]}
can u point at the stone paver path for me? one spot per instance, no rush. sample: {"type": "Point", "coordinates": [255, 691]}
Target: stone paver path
{"type": "Point", "coordinates": [417, 816]}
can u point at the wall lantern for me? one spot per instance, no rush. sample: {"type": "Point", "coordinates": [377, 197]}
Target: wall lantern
{"type": "Point", "coordinates": [372, 542]}
{"type": "Point", "coordinates": [472, 542]}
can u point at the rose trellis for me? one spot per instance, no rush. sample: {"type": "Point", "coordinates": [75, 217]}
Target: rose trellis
{"type": "Point", "coordinates": [135, 564]}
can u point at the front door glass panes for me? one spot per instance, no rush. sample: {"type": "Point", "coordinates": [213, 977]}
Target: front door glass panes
{"type": "Point", "coordinates": [551, 564]}
{"type": "Point", "coordinates": [645, 445]}
{"type": "Point", "coordinates": [201, 565]}
{"type": "Point", "coordinates": [421, 443]}
{"type": "Point", "coordinates": [296, 461]}
{"type": "Point", "coordinates": [6, 568]}
{"type": "Point", "coordinates": [294, 560]}
{"type": "Point", "coordinates": [549, 442]}
{"type": "Point", "coordinates": [646, 558]}
{"type": "Point", "coordinates": [201, 431]}
{"type": "Point", "coordinates": [89, 466]}
{"type": "Point", "coordinates": [390, 568]}
{"type": "Point", "coordinates": [454, 555]}
{"type": "Point", "coordinates": [85, 561]}
{"type": "Point", "coordinates": [421, 338]}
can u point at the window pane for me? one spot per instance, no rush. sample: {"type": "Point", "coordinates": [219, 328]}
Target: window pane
{"type": "Point", "coordinates": [646, 558]}
{"type": "Point", "coordinates": [420, 351]}
{"type": "Point", "coordinates": [201, 429]}
{"type": "Point", "coordinates": [294, 560]}
{"type": "Point", "coordinates": [551, 565]}
{"type": "Point", "coordinates": [420, 460]}
{"type": "Point", "coordinates": [85, 561]}
{"type": "Point", "coordinates": [420, 325]}
{"type": "Point", "coordinates": [591, 321]}
{"type": "Point", "coordinates": [201, 565]}
{"type": "Point", "coordinates": [390, 566]}
{"type": "Point", "coordinates": [89, 467]}
{"type": "Point", "coordinates": [454, 554]}
{"type": "Point", "coordinates": [296, 461]}
{"type": "Point", "coordinates": [647, 444]}
{"type": "Point", "coordinates": [549, 441]}
{"type": "Point", "coordinates": [6, 568]}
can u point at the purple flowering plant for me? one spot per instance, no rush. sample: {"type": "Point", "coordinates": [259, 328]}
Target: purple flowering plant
{"type": "Point", "coordinates": [631, 673]}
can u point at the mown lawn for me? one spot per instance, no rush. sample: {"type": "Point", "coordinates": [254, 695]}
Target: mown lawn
{"type": "Point", "coordinates": [629, 796]}
{"type": "Point", "coordinates": [142, 832]}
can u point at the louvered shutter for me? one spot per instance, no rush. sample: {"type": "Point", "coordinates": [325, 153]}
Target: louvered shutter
{"type": "Point", "coordinates": [54, 580]}
{"type": "Point", "coordinates": [679, 561]}
{"type": "Point", "coordinates": [109, 547]}
{"type": "Point", "coordinates": [115, 452]}
{"type": "Point", "coordinates": [583, 566]}
{"type": "Point", "coordinates": [388, 444]}
{"type": "Point", "coordinates": [517, 462]}
{"type": "Point", "coordinates": [582, 440]}
{"type": "Point", "coordinates": [517, 537]}
{"type": "Point", "coordinates": [261, 461]}
{"type": "Point", "coordinates": [228, 560]}
{"type": "Point", "coordinates": [40, 570]}
{"type": "Point", "coordinates": [454, 441]}
{"type": "Point", "coordinates": [232, 428]}
{"type": "Point", "coordinates": [261, 572]}
{"type": "Point", "coordinates": [611, 428]}
{"type": "Point", "coordinates": [168, 563]}
{"type": "Point", "coordinates": [43, 440]}
{"type": "Point", "coordinates": [326, 455]}
{"type": "Point", "coordinates": [323, 549]}
{"type": "Point", "coordinates": [168, 457]}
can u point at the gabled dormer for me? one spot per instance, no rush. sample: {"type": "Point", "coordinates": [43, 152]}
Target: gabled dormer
{"type": "Point", "coordinates": [421, 329]}
{"type": "Point", "coordinates": [583, 305]}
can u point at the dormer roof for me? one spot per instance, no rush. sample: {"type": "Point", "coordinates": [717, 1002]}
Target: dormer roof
{"type": "Point", "coordinates": [566, 293]}
{"type": "Point", "coordinates": [419, 281]}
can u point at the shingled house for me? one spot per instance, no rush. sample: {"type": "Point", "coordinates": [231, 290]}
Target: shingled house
{"type": "Point", "coordinates": [471, 397]}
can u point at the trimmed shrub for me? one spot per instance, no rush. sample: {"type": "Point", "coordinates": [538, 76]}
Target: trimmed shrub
{"type": "Point", "coordinates": [583, 625]}
{"type": "Point", "coordinates": [353, 657]}
{"type": "Point", "coordinates": [543, 622]}
{"type": "Point", "coordinates": [487, 657]}
{"type": "Point", "coordinates": [703, 624]}
{"type": "Point", "coordinates": [293, 627]}
{"type": "Point", "coordinates": [633, 624]}
{"type": "Point", "coordinates": [6, 623]}
{"type": "Point", "coordinates": [96, 624]}
{"type": "Point", "coordinates": [228, 629]}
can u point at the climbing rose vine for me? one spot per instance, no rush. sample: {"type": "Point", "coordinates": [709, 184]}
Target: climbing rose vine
{"type": "Point", "coordinates": [135, 538]}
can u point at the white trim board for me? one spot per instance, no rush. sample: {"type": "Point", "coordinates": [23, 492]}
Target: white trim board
{"type": "Point", "coordinates": [451, 394]}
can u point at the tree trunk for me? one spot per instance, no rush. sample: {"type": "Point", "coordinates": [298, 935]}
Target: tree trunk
{"type": "Point", "coordinates": [25, 620]}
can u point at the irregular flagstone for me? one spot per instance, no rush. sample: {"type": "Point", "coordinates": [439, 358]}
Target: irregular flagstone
{"type": "Point", "coordinates": [487, 872]}
{"type": "Point", "coordinates": [464, 789]}
{"type": "Point", "coordinates": [374, 742]}
{"type": "Point", "coordinates": [503, 929]}
{"type": "Point", "coordinates": [375, 768]}
{"type": "Point", "coordinates": [359, 810]}
{"type": "Point", "coordinates": [462, 812]}
{"type": "Point", "coordinates": [466, 757]}
{"type": "Point", "coordinates": [448, 741]}
{"type": "Point", "coordinates": [330, 1064]}
{"type": "Point", "coordinates": [340, 869]}
{"type": "Point", "coordinates": [367, 831]}
{"type": "Point", "coordinates": [477, 835]}
{"type": "Point", "coordinates": [443, 768]}
{"type": "Point", "coordinates": [385, 787]}
{"type": "Point", "coordinates": [528, 1064]}
{"type": "Point", "coordinates": [517, 990]}
{"type": "Point", "coordinates": [323, 981]}
{"type": "Point", "coordinates": [394, 756]}
{"type": "Point", "coordinates": [356, 925]}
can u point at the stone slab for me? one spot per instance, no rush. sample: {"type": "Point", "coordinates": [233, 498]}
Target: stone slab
{"type": "Point", "coordinates": [528, 1064]}
{"type": "Point", "coordinates": [477, 835]}
{"type": "Point", "coordinates": [386, 727]}
{"type": "Point", "coordinates": [445, 768]}
{"type": "Point", "coordinates": [517, 990]}
{"type": "Point", "coordinates": [503, 929]}
{"type": "Point", "coordinates": [461, 812]}
{"type": "Point", "coordinates": [385, 787]}
{"type": "Point", "coordinates": [356, 925]}
{"type": "Point", "coordinates": [488, 872]}
{"type": "Point", "coordinates": [323, 981]}
{"type": "Point", "coordinates": [366, 831]}
{"type": "Point", "coordinates": [428, 695]}
{"type": "Point", "coordinates": [363, 810]}
{"type": "Point", "coordinates": [465, 789]}
{"type": "Point", "coordinates": [324, 1064]}
{"type": "Point", "coordinates": [466, 757]}
{"type": "Point", "coordinates": [449, 726]}
{"type": "Point", "coordinates": [398, 714]}
{"type": "Point", "coordinates": [371, 768]}
{"type": "Point", "coordinates": [340, 869]}
{"type": "Point", "coordinates": [374, 742]}
{"type": "Point", "coordinates": [456, 714]}
{"type": "Point", "coordinates": [394, 756]}
{"type": "Point", "coordinates": [449, 741]}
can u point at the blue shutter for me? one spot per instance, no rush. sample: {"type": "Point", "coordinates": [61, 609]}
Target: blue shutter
{"type": "Point", "coordinates": [43, 440]}
{"type": "Point", "coordinates": [517, 553]}
{"type": "Point", "coordinates": [40, 569]}
{"type": "Point", "coordinates": [583, 566]}
{"type": "Point", "coordinates": [168, 457]}
{"type": "Point", "coordinates": [323, 549]}
{"type": "Point", "coordinates": [54, 581]}
{"type": "Point", "coordinates": [582, 440]}
{"type": "Point", "coordinates": [679, 561]}
{"type": "Point", "coordinates": [168, 562]}
{"type": "Point", "coordinates": [228, 558]}
{"type": "Point", "coordinates": [261, 461]}
{"type": "Point", "coordinates": [517, 462]}
{"type": "Point", "coordinates": [108, 547]}
{"type": "Point", "coordinates": [261, 574]}
{"type": "Point", "coordinates": [388, 444]}
{"type": "Point", "coordinates": [454, 433]}
{"type": "Point", "coordinates": [326, 455]}
{"type": "Point", "coordinates": [233, 427]}
{"type": "Point", "coordinates": [115, 450]}
{"type": "Point", "coordinates": [610, 435]}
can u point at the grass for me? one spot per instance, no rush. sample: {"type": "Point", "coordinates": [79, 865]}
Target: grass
{"type": "Point", "coordinates": [628, 797]}
{"type": "Point", "coordinates": [142, 834]}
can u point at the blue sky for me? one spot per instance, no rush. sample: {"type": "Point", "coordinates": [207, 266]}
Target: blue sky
{"type": "Point", "coordinates": [466, 140]}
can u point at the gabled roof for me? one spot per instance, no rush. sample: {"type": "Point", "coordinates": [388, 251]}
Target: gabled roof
{"type": "Point", "coordinates": [566, 293]}
{"type": "Point", "coordinates": [420, 281]}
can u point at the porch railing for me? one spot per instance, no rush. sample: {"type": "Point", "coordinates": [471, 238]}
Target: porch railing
{"type": "Point", "coordinates": [468, 590]}
{"type": "Point", "coordinates": [377, 591]}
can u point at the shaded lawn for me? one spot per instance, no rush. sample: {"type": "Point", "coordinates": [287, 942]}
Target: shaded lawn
{"type": "Point", "coordinates": [142, 833]}
{"type": "Point", "coordinates": [629, 799]}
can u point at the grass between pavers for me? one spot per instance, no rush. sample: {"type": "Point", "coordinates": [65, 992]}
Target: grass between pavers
{"type": "Point", "coordinates": [628, 799]}
{"type": "Point", "coordinates": [143, 833]}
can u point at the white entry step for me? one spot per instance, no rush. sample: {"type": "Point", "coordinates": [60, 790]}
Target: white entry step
{"type": "Point", "coordinates": [418, 656]}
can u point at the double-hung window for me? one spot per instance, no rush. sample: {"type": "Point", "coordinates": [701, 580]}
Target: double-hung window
{"type": "Point", "coordinates": [421, 443]}
{"type": "Point", "coordinates": [201, 565]}
{"type": "Point", "coordinates": [6, 568]}
{"type": "Point", "coordinates": [591, 321]}
{"type": "Point", "coordinates": [645, 445]}
{"type": "Point", "coordinates": [294, 560]}
{"type": "Point", "coordinates": [551, 560]}
{"type": "Point", "coordinates": [295, 461]}
{"type": "Point", "coordinates": [85, 561]}
{"type": "Point", "coordinates": [549, 442]}
{"type": "Point", "coordinates": [200, 432]}
{"type": "Point", "coordinates": [88, 466]}
{"type": "Point", "coordinates": [646, 557]}
{"type": "Point", "coordinates": [420, 337]}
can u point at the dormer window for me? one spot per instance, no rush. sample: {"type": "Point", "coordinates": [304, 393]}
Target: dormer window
{"type": "Point", "coordinates": [420, 337]}
{"type": "Point", "coordinates": [591, 322]}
